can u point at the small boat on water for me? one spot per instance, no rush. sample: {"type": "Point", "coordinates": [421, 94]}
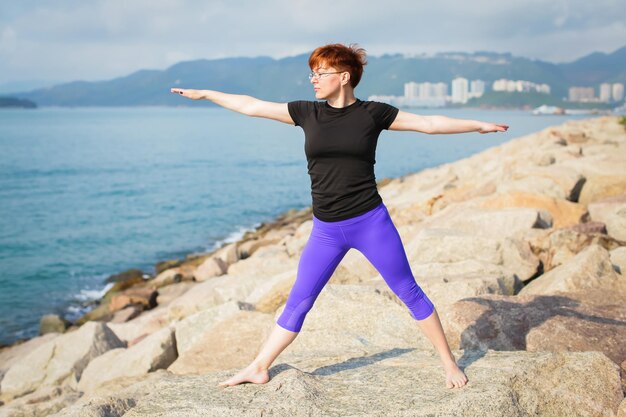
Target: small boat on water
{"type": "Point", "coordinates": [620, 111]}
{"type": "Point", "coordinates": [544, 109]}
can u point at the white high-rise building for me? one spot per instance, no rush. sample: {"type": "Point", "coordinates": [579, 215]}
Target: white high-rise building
{"type": "Point", "coordinates": [618, 91]}
{"type": "Point", "coordinates": [521, 86]}
{"type": "Point", "coordinates": [411, 90]}
{"type": "Point", "coordinates": [477, 88]}
{"type": "Point", "coordinates": [605, 92]}
{"type": "Point", "coordinates": [499, 85]}
{"type": "Point", "coordinates": [460, 90]}
{"type": "Point", "coordinates": [543, 88]}
{"type": "Point", "coordinates": [506, 85]}
{"type": "Point", "coordinates": [425, 90]}
{"type": "Point", "coordinates": [581, 94]}
{"type": "Point", "coordinates": [511, 85]}
{"type": "Point", "coordinates": [423, 94]}
{"type": "Point", "coordinates": [440, 90]}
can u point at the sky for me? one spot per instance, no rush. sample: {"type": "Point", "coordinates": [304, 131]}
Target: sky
{"type": "Point", "coordinates": [67, 40]}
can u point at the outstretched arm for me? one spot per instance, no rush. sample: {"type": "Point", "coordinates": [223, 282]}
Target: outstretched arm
{"type": "Point", "coordinates": [442, 124]}
{"type": "Point", "coordinates": [244, 104]}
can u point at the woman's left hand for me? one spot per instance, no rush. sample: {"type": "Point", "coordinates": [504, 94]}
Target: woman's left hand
{"type": "Point", "coordinates": [492, 127]}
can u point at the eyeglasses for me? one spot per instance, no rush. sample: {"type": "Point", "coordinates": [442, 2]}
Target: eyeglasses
{"type": "Point", "coordinates": [318, 75]}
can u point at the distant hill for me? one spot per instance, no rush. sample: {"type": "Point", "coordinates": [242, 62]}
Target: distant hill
{"type": "Point", "coordinates": [6, 102]}
{"type": "Point", "coordinates": [597, 68]}
{"type": "Point", "coordinates": [8, 88]}
{"type": "Point", "coordinates": [286, 79]}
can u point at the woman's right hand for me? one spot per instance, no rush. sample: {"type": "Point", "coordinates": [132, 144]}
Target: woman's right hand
{"type": "Point", "coordinates": [189, 93]}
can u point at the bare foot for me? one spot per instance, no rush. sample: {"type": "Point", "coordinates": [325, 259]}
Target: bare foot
{"type": "Point", "coordinates": [252, 373]}
{"type": "Point", "coordinates": [454, 376]}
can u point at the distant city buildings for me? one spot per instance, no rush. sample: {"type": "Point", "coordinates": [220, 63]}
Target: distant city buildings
{"type": "Point", "coordinates": [521, 86]}
{"type": "Point", "coordinates": [460, 90]}
{"type": "Point", "coordinates": [436, 94]}
{"type": "Point", "coordinates": [425, 94]}
{"type": "Point", "coordinates": [581, 94]}
{"type": "Point", "coordinates": [618, 91]}
{"type": "Point", "coordinates": [606, 93]}
{"type": "Point", "coordinates": [477, 88]}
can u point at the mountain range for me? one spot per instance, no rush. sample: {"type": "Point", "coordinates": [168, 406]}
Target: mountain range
{"type": "Point", "coordinates": [286, 79]}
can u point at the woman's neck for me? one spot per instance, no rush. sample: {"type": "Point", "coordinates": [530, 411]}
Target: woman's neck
{"type": "Point", "coordinates": [343, 99]}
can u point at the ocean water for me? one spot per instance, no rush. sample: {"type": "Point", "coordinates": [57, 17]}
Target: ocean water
{"type": "Point", "coordinates": [89, 192]}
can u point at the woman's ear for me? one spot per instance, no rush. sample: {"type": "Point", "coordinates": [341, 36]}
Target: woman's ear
{"type": "Point", "coordinates": [345, 78]}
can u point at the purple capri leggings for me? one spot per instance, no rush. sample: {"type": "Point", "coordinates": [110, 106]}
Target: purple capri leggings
{"type": "Point", "coordinates": [375, 236]}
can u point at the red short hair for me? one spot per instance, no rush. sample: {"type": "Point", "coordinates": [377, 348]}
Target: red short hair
{"type": "Point", "coordinates": [344, 58]}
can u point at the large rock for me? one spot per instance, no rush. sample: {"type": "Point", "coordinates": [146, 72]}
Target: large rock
{"type": "Point", "coordinates": [174, 275]}
{"type": "Point", "coordinates": [354, 318]}
{"type": "Point", "coordinates": [12, 354]}
{"type": "Point", "coordinates": [618, 259]}
{"type": "Point", "coordinates": [242, 279]}
{"type": "Point", "coordinates": [468, 267]}
{"type": "Point", "coordinates": [156, 351]}
{"type": "Point", "coordinates": [598, 187]}
{"type": "Point", "coordinates": [596, 323]}
{"type": "Point", "coordinates": [539, 185]}
{"type": "Point", "coordinates": [459, 193]}
{"type": "Point", "coordinates": [170, 292]}
{"type": "Point", "coordinates": [600, 210]}
{"type": "Point", "coordinates": [447, 289]}
{"type": "Point", "coordinates": [616, 224]}
{"type": "Point", "coordinates": [270, 294]}
{"type": "Point", "coordinates": [605, 175]}
{"type": "Point", "coordinates": [493, 223]}
{"type": "Point", "coordinates": [449, 246]}
{"type": "Point", "coordinates": [612, 212]}
{"type": "Point", "coordinates": [126, 314]}
{"type": "Point", "coordinates": [383, 382]}
{"type": "Point", "coordinates": [211, 267]}
{"type": "Point", "coordinates": [414, 197]}
{"type": "Point", "coordinates": [248, 247]}
{"type": "Point", "coordinates": [145, 297]}
{"type": "Point", "coordinates": [59, 361]}
{"type": "Point", "coordinates": [557, 246]}
{"type": "Point", "coordinates": [564, 213]}
{"type": "Point", "coordinates": [46, 400]}
{"type": "Point", "coordinates": [147, 323]}
{"type": "Point", "coordinates": [228, 253]}
{"type": "Point", "coordinates": [192, 328]}
{"type": "Point", "coordinates": [211, 293]}
{"type": "Point", "coordinates": [52, 323]}
{"type": "Point", "coordinates": [476, 254]}
{"type": "Point", "coordinates": [231, 342]}
{"type": "Point", "coordinates": [568, 182]}
{"type": "Point", "coordinates": [294, 244]}
{"type": "Point", "coordinates": [591, 268]}
{"type": "Point", "coordinates": [418, 188]}
{"type": "Point", "coordinates": [587, 321]}
{"type": "Point", "coordinates": [266, 261]}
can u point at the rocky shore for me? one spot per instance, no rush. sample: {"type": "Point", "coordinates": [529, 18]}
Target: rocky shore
{"type": "Point", "coordinates": [522, 249]}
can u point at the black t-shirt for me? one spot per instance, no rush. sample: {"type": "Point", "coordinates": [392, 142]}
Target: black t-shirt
{"type": "Point", "coordinates": [340, 146]}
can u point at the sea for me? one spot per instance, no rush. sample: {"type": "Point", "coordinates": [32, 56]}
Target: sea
{"type": "Point", "coordinates": [89, 192]}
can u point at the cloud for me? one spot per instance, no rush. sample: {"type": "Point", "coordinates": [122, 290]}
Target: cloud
{"type": "Point", "coordinates": [8, 40]}
{"type": "Point", "coordinates": [70, 39]}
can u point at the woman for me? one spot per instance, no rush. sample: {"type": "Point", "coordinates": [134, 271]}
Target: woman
{"type": "Point", "coordinates": [340, 142]}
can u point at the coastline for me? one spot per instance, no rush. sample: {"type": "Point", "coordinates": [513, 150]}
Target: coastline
{"type": "Point", "coordinates": [563, 181]}
{"type": "Point", "coordinates": [238, 237]}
